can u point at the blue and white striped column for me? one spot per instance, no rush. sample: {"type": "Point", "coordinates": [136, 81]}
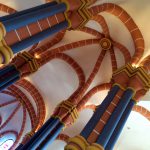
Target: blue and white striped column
{"type": "Point", "coordinates": [114, 118]}
{"type": "Point", "coordinates": [41, 135]}
{"type": "Point", "coordinates": [27, 11]}
{"type": "Point", "coordinates": [8, 76]}
{"type": "Point", "coordinates": [110, 145]}
{"type": "Point", "coordinates": [99, 112]}
{"type": "Point", "coordinates": [26, 18]}
{"type": "Point", "coordinates": [38, 37]}
{"type": "Point", "coordinates": [51, 137]}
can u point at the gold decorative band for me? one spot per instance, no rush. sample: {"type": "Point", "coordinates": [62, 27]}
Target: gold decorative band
{"type": "Point", "coordinates": [84, 13]}
{"type": "Point", "coordinates": [76, 142]}
{"type": "Point", "coordinates": [120, 86]}
{"type": "Point", "coordinates": [66, 2]}
{"type": "Point", "coordinates": [2, 31]}
{"type": "Point", "coordinates": [68, 20]}
{"type": "Point", "coordinates": [29, 59]}
{"type": "Point", "coordinates": [6, 54]}
{"type": "Point", "coordinates": [95, 146]}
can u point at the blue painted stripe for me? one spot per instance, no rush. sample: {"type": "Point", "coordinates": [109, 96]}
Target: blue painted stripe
{"type": "Point", "coordinates": [38, 37]}
{"type": "Point", "coordinates": [110, 145]}
{"type": "Point", "coordinates": [9, 83]}
{"type": "Point", "coordinates": [6, 69]}
{"type": "Point", "coordinates": [9, 77]}
{"type": "Point", "coordinates": [51, 137]}
{"type": "Point", "coordinates": [40, 135]}
{"type": "Point", "coordinates": [114, 118]}
{"type": "Point", "coordinates": [32, 17]}
{"type": "Point", "coordinates": [23, 12]}
{"type": "Point", "coordinates": [99, 112]}
{"type": "Point", "coordinates": [48, 122]}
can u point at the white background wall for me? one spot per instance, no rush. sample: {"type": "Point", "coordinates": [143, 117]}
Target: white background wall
{"type": "Point", "coordinates": [56, 81]}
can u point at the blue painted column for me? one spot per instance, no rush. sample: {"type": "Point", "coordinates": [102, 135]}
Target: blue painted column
{"type": "Point", "coordinates": [110, 145]}
{"type": "Point", "coordinates": [6, 69]}
{"type": "Point", "coordinates": [114, 118]}
{"type": "Point", "coordinates": [19, 147]}
{"type": "Point", "coordinates": [40, 135]}
{"type": "Point", "coordinates": [26, 11]}
{"type": "Point", "coordinates": [8, 76]}
{"type": "Point", "coordinates": [37, 134]}
{"type": "Point", "coordinates": [9, 83]}
{"type": "Point", "coordinates": [31, 17]}
{"type": "Point", "coordinates": [51, 137]}
{"type": "Point", "coordinates": [38, 37]}
{"type": "Point", "coordinates": [99, 112]}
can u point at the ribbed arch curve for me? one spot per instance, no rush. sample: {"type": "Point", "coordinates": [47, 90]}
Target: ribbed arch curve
{"type": "Point", "coordinates": [23, 99]}
{"type": "Point", "coordinates": [128, 22]}
{"type": "Point", "coordinates": [25, 105]}
{"type": "Point", "coordinates": [41, 109]}
{"type": "Point", "coordinates": [102, 22]}
{"type": "Point", "coordinates": [10, 117]}
{"type": "Point", "coordinates": [91, 106]}
{"type": "Point", "coordinates": [91, 31]}
{"type": "Point", "coordinates": [7, 9]}
{"type": "Point", "coordinates": [106, 33]}
{"type": "Point", "coordinates": [36, 51]}
{"type": "Point", "coordinates": [20, 105]}
{"type": "Point", "coordinates": [21, 129]}
{"type": "Point", "coordinates": [3, 133]}
{"type": "Point", "coordinates": [63, 137]}
{"type": "Point", "coordinates": [142, 111]}
{"type": "Point", "coordinates": [83, 103]}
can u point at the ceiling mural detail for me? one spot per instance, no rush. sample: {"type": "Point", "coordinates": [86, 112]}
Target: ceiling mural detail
{"type": "Point", "coordinates": [23, 102]}
{"type": "Point", "coordinates": [66, 49]}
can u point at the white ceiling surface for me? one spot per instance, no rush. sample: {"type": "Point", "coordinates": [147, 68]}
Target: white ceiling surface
{"type": "Point", "coordinates": [56, 81]}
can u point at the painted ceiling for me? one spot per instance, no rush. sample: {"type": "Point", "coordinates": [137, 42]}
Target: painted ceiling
{"type": "Point", "coordinates": [56, 81]}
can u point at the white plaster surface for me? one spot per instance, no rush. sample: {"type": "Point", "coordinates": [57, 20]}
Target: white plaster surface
{"type": "Point", "coordinates": [56, 80]}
